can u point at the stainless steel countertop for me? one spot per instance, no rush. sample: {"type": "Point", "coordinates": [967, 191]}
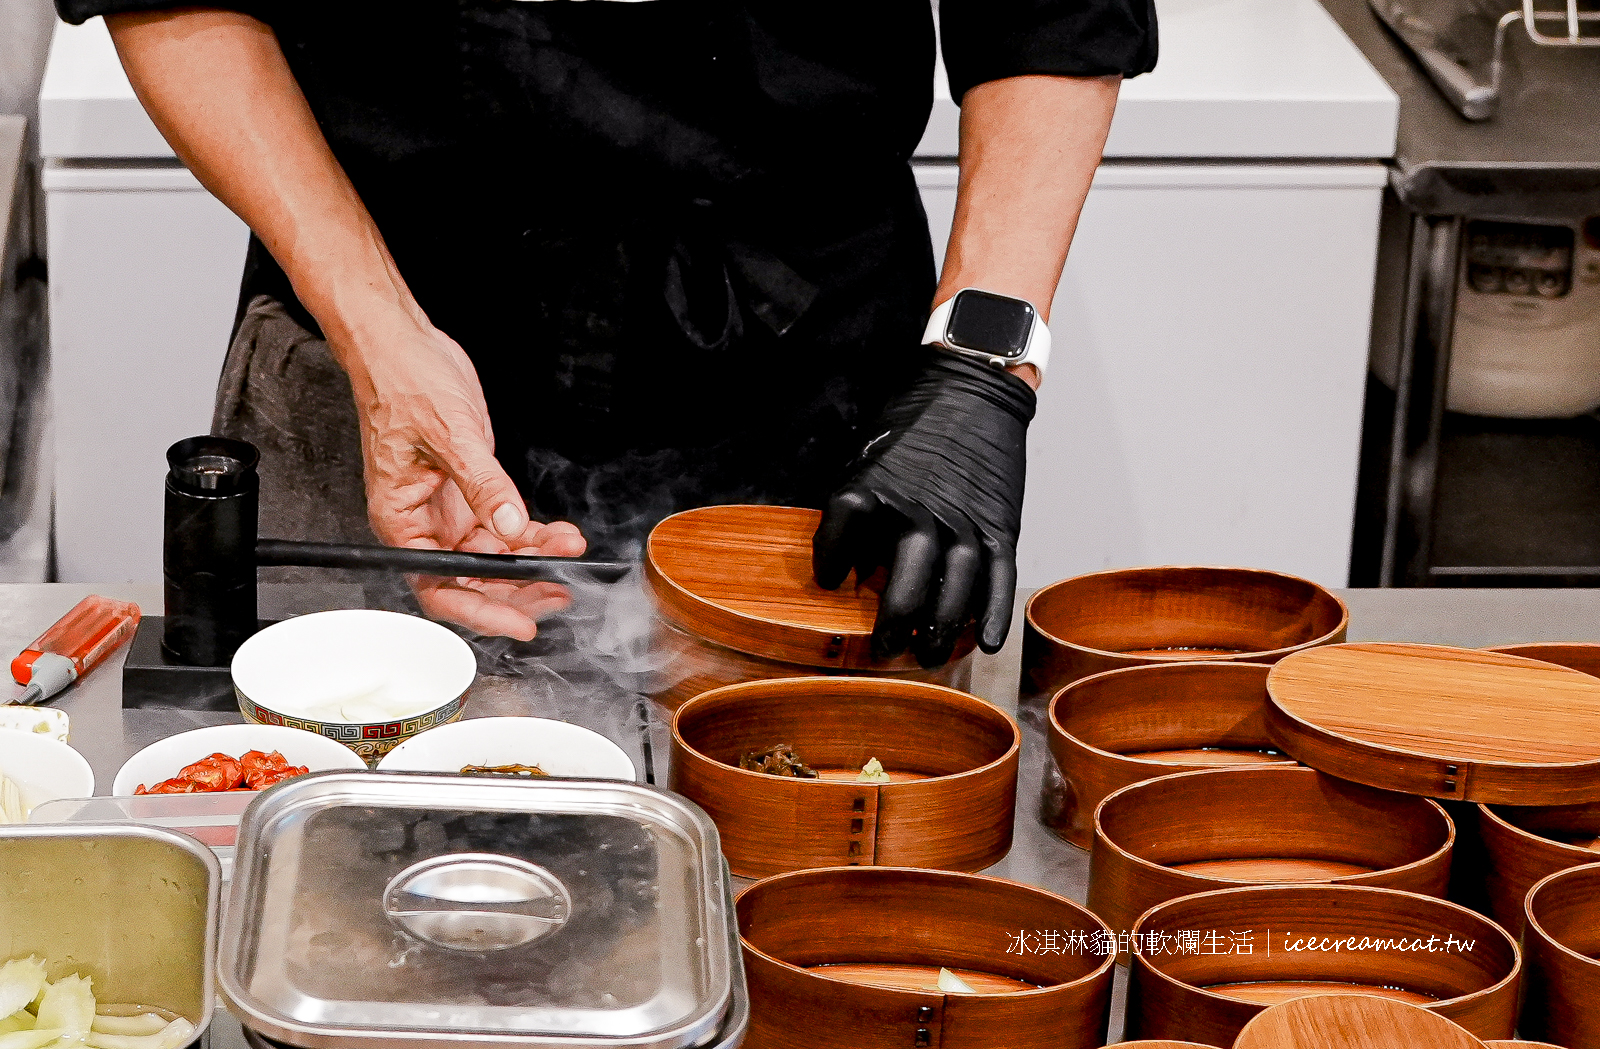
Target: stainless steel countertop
{"type": "Point", "coordinates": [1544, 127]}
{"type": "Point", "coordinates": [107, 735]}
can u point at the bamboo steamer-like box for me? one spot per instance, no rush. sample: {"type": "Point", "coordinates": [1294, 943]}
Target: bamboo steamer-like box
{"type": "Point", "coordinates": [1526, 844]}
{"type": "Point", "coordinates": [736, 601]}
{"type": "Point", "coordinates": [1401, 950]}
{"type": "Point", "coordinates": [1563, 949]}
{"type": "Point", "coordinates": [1129, 617]}
{"type": "Point", "coordinates": [849, 958]}
{"type": "Point", "coordinates": [951, 759]}
{"type": "Point", "coordinates": [1200, 831]}
{"type": "Point", "coordinates": [1126, 726]}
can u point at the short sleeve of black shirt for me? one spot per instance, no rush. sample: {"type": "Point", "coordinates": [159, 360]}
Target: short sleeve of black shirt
{"type": "Point", "coordinates": [78, 12]}
{"type": "Point", "coordinates": [987, 40]}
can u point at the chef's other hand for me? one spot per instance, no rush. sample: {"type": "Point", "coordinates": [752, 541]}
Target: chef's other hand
{"type": "Point", "coordinates": [433, 481]}
{"type": "Point", "coordinates": [936, 496]}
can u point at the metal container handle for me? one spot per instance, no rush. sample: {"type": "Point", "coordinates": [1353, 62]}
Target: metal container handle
{"type": "Point", "coordinates": [477, 901]}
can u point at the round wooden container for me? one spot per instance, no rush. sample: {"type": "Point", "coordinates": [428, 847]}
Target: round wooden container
{"type": "Point", "coordinates": [1264, 825]}
{"type": "Point", "coordinates": [951, 758]}
{"type": "Point", "coordinates": [849, 957]}
{"type": "Point", "coordinates": [1528, 843]}
{"type": "Point", "coordinates": [1126, 726]}
{"type": "Point", "coordinates": [736, 601]}
{"type": "Point", "coordinates": [1455, 723]}
{"type": "Point", "coordinates": [1582, 656]}
{"type": "Point", "coordinates": [1562, 942]}
{"type": "Point", "coordinates": [1109, 620]}
{"type": "Point", "coordinates": [1209, 997]}
{"type": "Point", "coordinates": [1352, 1021]}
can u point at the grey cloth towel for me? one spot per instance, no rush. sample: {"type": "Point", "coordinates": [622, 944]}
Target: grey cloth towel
{"type": "Point", "coordinates": [282, 391]}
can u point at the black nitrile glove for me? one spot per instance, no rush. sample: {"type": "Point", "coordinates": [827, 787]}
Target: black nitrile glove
{"type": "Point", "coordinates": [937, 496]}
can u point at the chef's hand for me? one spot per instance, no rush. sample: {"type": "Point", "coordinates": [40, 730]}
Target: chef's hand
{"type": "Point", "coordinates": [937, 497]}
{"type": "Point", "coordinates": [433, 481]}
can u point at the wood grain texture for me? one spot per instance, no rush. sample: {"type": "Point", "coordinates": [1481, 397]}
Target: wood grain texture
{"type": "Point", "coordinates": [792, 923]}
{"type": "Point", "coordinates": [690, 665]}
{"type": "Point", "coordinates": [1276, 992]}
{"type": "Point", "coordinates": [1525, 845]}
{"type": "Point", "coordinates": [1167, 995]}
{"type": "Point", "coordinates": [1352, 1022]}
{"type": "Point", "coordinates": [740, 576]}
{"type": "Point", "coordinates": [1108, 620]}
{"type": "Point", "coordinates": [1160, 1043]}
{"type": "Point", "coordinates": [918, 977]}
{"type": "Point", "coordinates": [1562, 942]}
{"type": "Point", "coordinates": [1514, 1043]}
{"type": "Point", "coordinates": [1582, 656]}
{"type": "Point", "coordinates": [1124, 726]}
{"type": "Point", "coordinates": [1513, 730]}
{"type": "Point", "coordinates": [1188, 832]}
{"type": "Point", "coordinates": [952, 807]}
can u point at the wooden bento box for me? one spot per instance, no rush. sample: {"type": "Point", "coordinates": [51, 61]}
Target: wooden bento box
{"type": "Point", "coordinates": [735, 601]}
{"type": "Point", "coordinates": [1121, 727]}
{"type": "Point", "coordinates": [1134, 616]}
{"type": "Point", "coordinates": [849, 958]}
{"type": "Point", "coordinates": [1251, 951]}
{"type": "Point", "coordinates": [1267, 824]}
{"type": "Point", "coordinates": [951, 759]}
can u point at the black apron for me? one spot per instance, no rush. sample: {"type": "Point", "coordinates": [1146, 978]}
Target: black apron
{"type": "Point", "coordinates": [661, 314]}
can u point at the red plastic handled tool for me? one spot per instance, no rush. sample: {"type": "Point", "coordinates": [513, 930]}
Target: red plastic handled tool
{"type": "Point", "coordinates": [78, 642]}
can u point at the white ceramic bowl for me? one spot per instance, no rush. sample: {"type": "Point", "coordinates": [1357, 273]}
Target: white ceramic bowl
{"type": "Point", "coordinates": [43, 769]}
{"type": "Point", "coordinates": [162, 759]}
{"type": "Point", "coordinates": [559, 749]}
{"type": "Point", "coordinates": [366, 678]}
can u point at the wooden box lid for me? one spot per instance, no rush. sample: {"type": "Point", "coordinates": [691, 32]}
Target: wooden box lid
{"type": "Point", "coordinates": [740, 576]}
{"type": "Point", "coordinates": [1352, 1021]}
{"type": "Point", "coordinates": [1442, 722]}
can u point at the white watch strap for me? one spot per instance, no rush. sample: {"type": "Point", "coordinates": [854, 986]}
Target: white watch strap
{"type": "Point", "coordinates": [1037, 352]}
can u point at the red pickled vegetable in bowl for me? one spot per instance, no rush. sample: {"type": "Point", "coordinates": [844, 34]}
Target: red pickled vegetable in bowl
{"type": "Point", "coordinates": [253, 770]}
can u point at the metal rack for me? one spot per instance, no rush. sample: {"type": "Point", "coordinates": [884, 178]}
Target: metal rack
{"type": "Point", "coordinates": [1444, 51]}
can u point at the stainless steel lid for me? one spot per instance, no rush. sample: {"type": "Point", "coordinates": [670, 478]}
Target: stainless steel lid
{"type": "Point", "coordinates": [372, 909]}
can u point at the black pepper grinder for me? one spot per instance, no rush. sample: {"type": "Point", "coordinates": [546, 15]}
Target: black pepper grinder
{"type": "Point", "coordinates": [208, 556]}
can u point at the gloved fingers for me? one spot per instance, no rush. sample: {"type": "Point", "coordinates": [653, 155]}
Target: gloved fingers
{"type": "Point", "coordinates": [1001, 596]}
{"type": "Point", "coordinates": [950, 606]}
{"type": "Point", "coordinates": [916, 560]}
{"type": "Point", "coordinates": [846, 532]}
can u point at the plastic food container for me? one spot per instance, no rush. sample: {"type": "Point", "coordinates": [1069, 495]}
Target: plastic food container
{"type": "Point", "coordinates": [736, 601]}
{"type": "Point", "coordinates": [133, 908]}
{"type": "Point", "coordinates": [374, 910]}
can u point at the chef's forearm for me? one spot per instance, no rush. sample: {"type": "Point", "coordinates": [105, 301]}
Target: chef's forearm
{"type": "Point", "coordinates": [217, 85]}
{"type": "Point", "coordinates": [1029, 149]}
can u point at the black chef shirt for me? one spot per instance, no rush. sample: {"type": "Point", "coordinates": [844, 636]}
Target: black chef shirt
{"type": "Point", "coordinates": [632, 215]}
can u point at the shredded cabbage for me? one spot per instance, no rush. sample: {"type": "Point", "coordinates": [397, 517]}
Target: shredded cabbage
{"type": "Point", "coordinates": [872, 772]}
{"type": "Point", "coordinates": [37, 1038]}
{"type": "Point", "coordinates": [68, 1004]}
{"type": "Point", "coordinates": [64, 1015]}
{"type": "Point", "coordinates": [140, 1024]}
{"type": "Point", "coordinates": [12, 810]}
{"type": "Point", "coordinates": [950, 982]}
{"type": "Point", "coordinates": [21, 980]}
{"type": "Point", "coordinates": [171, 1036]}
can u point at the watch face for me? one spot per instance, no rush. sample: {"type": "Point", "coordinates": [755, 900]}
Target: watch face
{"type": "Point", "coordinates": [990, 323]}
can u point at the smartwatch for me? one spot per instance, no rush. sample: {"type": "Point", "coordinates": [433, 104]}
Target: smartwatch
{"type": "Point", "coordinates": [996, 329]}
